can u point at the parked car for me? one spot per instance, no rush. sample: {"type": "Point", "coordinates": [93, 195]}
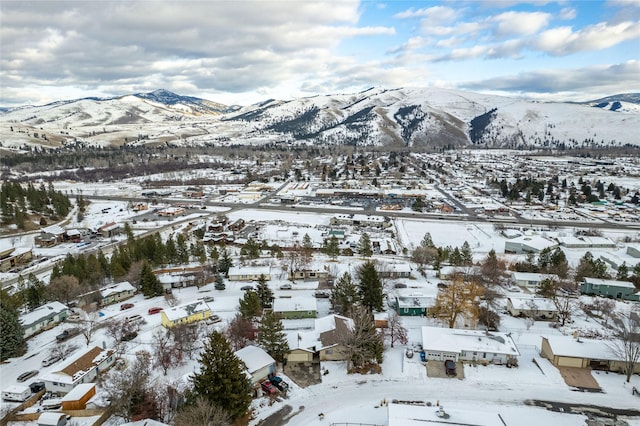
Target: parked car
{"type": "Point", "coordinates": [268, 387]}
{"type": "Point", "coordinates": [279, 383]}
{"type": "Point", "coordinates": [27, 375]}
{"type": "Point", "coordinates": [154, 310]}
{"type": "Point", "coordinates": [450, 367]}
{"type": "Point", "coordinates": [322, 294]}
{"type": "Point", "coordinates": [51, 360]}
{"type": "Point", "coordinates": [207, 299]}
{"type": "Point", "coordinates": [246, 287]}
{"type": "Point", "coordinates": [126, 306]}
{"type": "Point", "coordinates": [36, 387]}
{"type": "Point", "coordinates": [286, 287]}
{"type": "Point", "coordinates": [400, 285]}
{"type": "Point", "coordinates": [136, 319]}
{"type": "Point", "coordinates": [70, 332]}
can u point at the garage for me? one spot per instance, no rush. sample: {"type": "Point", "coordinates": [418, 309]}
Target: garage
{"type": "Point", "coordinates": [565, 361]}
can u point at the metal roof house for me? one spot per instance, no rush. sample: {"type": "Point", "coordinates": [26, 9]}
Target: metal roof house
{"type": "Point", "coordinates": [610, 288]}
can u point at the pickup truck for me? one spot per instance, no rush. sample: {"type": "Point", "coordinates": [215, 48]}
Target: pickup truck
{"type": "Point", "coordinates": [70, 332]}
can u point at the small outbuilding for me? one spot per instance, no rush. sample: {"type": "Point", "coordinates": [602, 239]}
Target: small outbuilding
{"type": "Point", "coordinates": [258, 363]}
{"type": "Point", "coordinates": [295, 307]}
{"type": "Point", "coordinates": [52, 419]}
{"type": "Point", "coordinates": [78, 397]}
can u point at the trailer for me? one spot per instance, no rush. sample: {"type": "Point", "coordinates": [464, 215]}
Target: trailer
{"type": "Point", "coordinates": [17, 393]}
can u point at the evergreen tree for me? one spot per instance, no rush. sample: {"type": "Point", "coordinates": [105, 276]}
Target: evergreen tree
{"type": "Point", "coordinates": [250, 305]}
{"type": "Point", "coordinates": [364, 245]}
{"type": "Point", "coordinates": [466, 255]}
{"type": "Point", "coordinates": [264, 292]}
{"type": "Point", "coordinates": [271, 336]}
{"type": "Point", "coordinates": [225, 262]}
{"type": "Point", "coordinates": [344, 294]}
{"type": "Point", "coordinates": [222, 379]}
{"type": "Point", "coordinates": [370, 288]}
{"type": "Point", "coordinates": [331, 247]}
{"type": "Point", "coordinates": [219, 285]}
{"type": "Point", "coordinates": [455, 258]}
{"type": "Point", "coordinates": [427, 241]}
{"type": "Point", "coordinates": [149, 283]}
{"type": "Point", "coordinates": [623, 272]}
{"type": "Point", "coordinates": [12, 343]}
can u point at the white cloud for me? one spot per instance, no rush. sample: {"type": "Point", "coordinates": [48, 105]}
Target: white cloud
{"type": "Point", "coordinates": [567, 14]}
{"type": "Point", "coordinates": [519, 23]}
{"type": "Point", "coordinates": [563, 40]}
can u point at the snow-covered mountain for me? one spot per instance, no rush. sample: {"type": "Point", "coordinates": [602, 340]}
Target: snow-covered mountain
{"type": "Point", "coordinates": [407, 117]}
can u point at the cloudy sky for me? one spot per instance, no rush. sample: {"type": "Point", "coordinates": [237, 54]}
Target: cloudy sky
{"type": "Point", "coordinates": [240, 52]}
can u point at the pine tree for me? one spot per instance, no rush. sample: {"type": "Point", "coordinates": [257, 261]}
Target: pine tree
{"type": "Point", "coordinates": [466, 255]}
{"type": "Point", "coordinates": [306, 251]}
{"type": "Point", "coordinates": [250, 305]}
{"type": "Point", "coordinates": [12, 342]}
{"type": "Point", "coordinates": [364, 245]}
{"type": "Point", "coordinates": [219, 285]}
{"type": "Point", "coordinates": [331, 247]}
{"type": "Point", "coordinates": [264, 292]}
{"type": "Point", "coordinates": [344, 294]}
{"type": "Point", "coordinates": [427, 241]}
{"type": "Point", "coordinates": [222, 379]}
{"type": "Point", "coordinates": [370, 286]}
{"type": "Point", "coordinates": [149, 283]}
{"type": "Point", "coordinates": [271, 336]}
{"type": "Point", "coordinates": [224, 262]}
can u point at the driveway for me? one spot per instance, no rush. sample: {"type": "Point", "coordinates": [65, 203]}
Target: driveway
{"type": "Point", "coordinates": [580, 378]}
{"type": "Point", "coordinates": [436, 369]}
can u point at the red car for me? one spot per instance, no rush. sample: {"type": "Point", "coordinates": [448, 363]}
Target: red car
{"type": "Point", "coordinates": [268, 387]}
{"type": "Point", "coordinates": [154, 310]}
{"type": "Point", "coordinates": [126, 306]}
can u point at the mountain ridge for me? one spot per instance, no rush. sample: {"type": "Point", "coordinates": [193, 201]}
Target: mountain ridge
{"type": "Point", "coordinates": [414, 118]}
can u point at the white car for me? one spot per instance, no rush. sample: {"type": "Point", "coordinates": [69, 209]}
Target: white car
{"type": "Point", "coordinates": [286, 287]}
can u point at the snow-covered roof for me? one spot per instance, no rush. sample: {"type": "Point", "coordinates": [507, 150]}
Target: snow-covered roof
{"type": "Point", "coordinates": [294, 304]}
{"type": "Point", "coordinates": [525, 303]}
{"type": "Point", "coordinates": [457, 340]}
{"type": "Point", "coordinates": [78, 392]}
{"type": "Point", "coordinates": [254, 358]}
{"type": "Point", "coordinates": [50, 418]}
{"type": "Point", "coordinates": [249, 270]}
{"type": "Point", "coordinates": [534, 241]}
{"type": "Point", "coordinates": [54, 229]}
{"type": "Point", "coordinates": [186, 310]}
{"type": "Point", "coordinates": [413, 299]}
{"type": "Point", "coordinates": [78, 366]}
{"type": "Point", "coordinates": [328, 323]}
{"type": "Point", "coordinates": [581, 348]}
{"type": "Point", "coordinates": [532, 276]}
{"type": "Point", "coordinates": [612, 283]}
{"type": "Point", "coordinates": [41, 313]}
{"type": "Point", "coordinates": [117, 288]}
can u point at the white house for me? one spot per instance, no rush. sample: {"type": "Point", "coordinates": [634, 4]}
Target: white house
{"type": "Point", "coordinates": [259, 364]}
{"type": "Point", "coordinates": [43, 318]}
{"type": "Point", "coordinates": [117, 292]}
{"type": "Point", "coordinates": [537, 308]}
{"type": "Point", "coordinates": [531, 279]}
{"type": "Point", "coordinates": [468, 345]}
{"type": "Point", "coordinates": [82, 368]}
{"type": "Point", "coordinates": [528, 244]}
{"type": "Point", "coordinates": [249, 273]}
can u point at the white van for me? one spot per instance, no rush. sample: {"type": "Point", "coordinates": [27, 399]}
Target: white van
{"type": "Point", "coordinates": [50, 360]}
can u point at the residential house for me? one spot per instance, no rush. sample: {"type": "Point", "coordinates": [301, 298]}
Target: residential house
{"type": "Point", "coordinates": [412, 303]}
{"type": "Point", "coordinates": [43, 318]}
{"type": "Point", "coordinates": [308, 274]}
{"type": "Point", "coordinates": [586, 242]}
{"type": "Point", "coordinates": [449, 272]}
{"type": "Point", "coordinates": [82, 368]}
{"type": "Point", "coordinates": [249, 273]}
{"type": "Point", "coordinates": [237, 225]}
{"type": "Point", "coordinates": [531, 279]}
{"type": "Point", "coordinates": [394, 270]}
{"type": "Point", "coordinates": [171, 280]}
{"type": "Point", "coordinates": [171, 211]}
{"type": "Point", "coordinates": [12, 257]}
{"type": "Point", "coordinates": [537, 308]}
{"type": "Point", "coordinates": [74, 236]}
{"type": "Point", "coordinates": [610, 288]}
{"type": "Point", "coordinates": [111, 229]}
{"type": "Point", "coordinates": [78, 397]}
{"type": "Point", "coordinates": [468, 345]}
{"type": "Point", "coordinates": [259, 364]}
{"type": "Point", "coordinates": [50, 236]}
{"type": "Point", "coordinates": [295, 307]}
{"type": "Point", "coordinates": [185, 314]}
{"type": "Point", "coordinates": [116, 293]}
{"type": "Point", "coordinates": [567, 351]}
{"type": "Point", "coordinates": [633, 250]}
{"type": "Point", "coordinates": [322, 343]}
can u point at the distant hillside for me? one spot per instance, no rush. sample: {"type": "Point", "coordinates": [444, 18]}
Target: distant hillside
{"type": "Point", "coordinates": [405, 117]}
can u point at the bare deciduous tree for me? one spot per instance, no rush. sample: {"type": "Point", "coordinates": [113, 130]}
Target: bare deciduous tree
{"type": "Point", "coordinates": [626, 345]}
{"type": "Point", "coordinates": [120, 331]}
{"type": "Point", "coordinates": [166, 354]}
{"type": "Point", "coordinates": [395, 332]}
{"type": "Point", "coordinates": [240, 332]}
{"type": "Point", "coordinates": [65, 288]}
{"type": "Point", "coordinates": [202, 412]}
{"type": "Point", "coordinates": [187, 337]}
{"type": "Point", "coordinates": [89, 326]}
{"type": "Point", "coordinates": [62, 350]}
